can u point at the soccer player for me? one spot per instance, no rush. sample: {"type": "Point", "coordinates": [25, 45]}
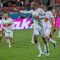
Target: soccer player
{"type": "Point", "coordinates": [7, 28]}
{"type": "Point", "coordinates": [39, 23]}
{"type": "Point", "coordinates": [0, 37]}
{"type": "Point", "coordinates": [50, 23]}
{"type": "Point", "coordinates": [32, 26]}
{"type": "Point", "coordinates": [54, 21]}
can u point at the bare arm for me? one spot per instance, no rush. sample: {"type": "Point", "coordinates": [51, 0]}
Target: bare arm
{"type": "Point", "coordinates": [23, 11]}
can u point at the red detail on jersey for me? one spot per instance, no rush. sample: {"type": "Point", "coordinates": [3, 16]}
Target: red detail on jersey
{"type": "Point", "coordinates": [7, 26]}
{"type": "Point", "coordinates": [36, 17]}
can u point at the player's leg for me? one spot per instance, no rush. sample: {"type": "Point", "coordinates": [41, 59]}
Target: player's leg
{"type": "Point", "coordinates": [8, 38]}
{"type": "Point", "coordinates": [36, 33]}
{"type": "Point", "coordinates": [51, 39]}
{"type": "Point", "coordinates": [11, 37]}
{"type": "Point", "coordinates": [45, 36]}
{"type": "Point", "coordinates": [10, 41]}
{"type": "Point", "coordinates": [46, 47]}
{"type": "Point", "coordinates": [1, 37]}
{"type": "Point", "coordinates": [49, 33]}
{"type": "Point", "coordinates": [37, 45]}
{"type": "Point", "coordinates": [32, 38]}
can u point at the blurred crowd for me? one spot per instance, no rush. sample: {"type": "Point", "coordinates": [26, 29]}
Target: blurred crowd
{"type": "Point", "coordinates": [23, 4]}
{"type": "Point", "coordinates": [17, 5]}
{"type": "Point", "coordinates": [20, 4]}
{"type": "Point", "coordinates": [11, 3]}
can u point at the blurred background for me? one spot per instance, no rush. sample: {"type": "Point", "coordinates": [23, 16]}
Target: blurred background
{"type": "Point", "coordinates": [14, 6]}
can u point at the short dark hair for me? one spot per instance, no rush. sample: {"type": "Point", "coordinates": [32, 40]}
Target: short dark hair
{"type": "Point", "coordinates": [49, 7]}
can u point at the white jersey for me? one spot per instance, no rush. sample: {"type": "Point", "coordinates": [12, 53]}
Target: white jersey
{"type": "Point", "coordinates": [38, 12]}
{"type": "Point", "coordinates": [7, 24]}
{"type": "Point", "coordinates": [50, 16]}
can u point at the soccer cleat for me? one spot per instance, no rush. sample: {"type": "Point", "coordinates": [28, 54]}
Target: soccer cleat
{"type": "Point", "coordinates": [46, 53]}
{"type": "Point", "coordinates": [42, 52]}
{"type": "Point", "coordinates": [10, 46]}
{"type": "Point", "coordinates": [54, 44]}
{"type": "Point", "coordinates": [39, 55]}
{"type": "Point", "coordinates": [32, 41]}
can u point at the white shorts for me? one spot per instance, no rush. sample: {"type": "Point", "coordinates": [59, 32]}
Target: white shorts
{"type": "Point", "coordinates": [39, 31]}
{"type": "Point", "coordinates": [36, 32]}
{"type": "Point", "coordinates": [9, 34]}
{"type": "Point", "coordinates": [47, 32]}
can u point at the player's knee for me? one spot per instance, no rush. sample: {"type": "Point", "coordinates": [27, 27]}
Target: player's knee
{"type": "Point", "coordinates": [36, 41]}
{"type": "Point", "coordinates": [44, 40]}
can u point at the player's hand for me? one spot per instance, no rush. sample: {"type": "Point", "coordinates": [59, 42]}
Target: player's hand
{"type": "Point", "coordinates": [46, 19]}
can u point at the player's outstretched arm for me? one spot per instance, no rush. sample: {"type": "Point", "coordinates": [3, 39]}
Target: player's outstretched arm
{"type": "Point", "coordinates": [23, 11]}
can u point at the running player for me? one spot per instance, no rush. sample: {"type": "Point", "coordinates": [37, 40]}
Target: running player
{"type": "Point", "coordinates": [51, 21]}
{"type": "Point", "coordinates": [7, 28]}
{"type": "Point", "coordinates": [54, 21]}
{"type": "Point", "coordinates": [39, 16]}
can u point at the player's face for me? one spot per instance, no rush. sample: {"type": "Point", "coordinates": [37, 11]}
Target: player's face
{"type": "Point", "coordinates": [32, 6]}
{"type": "Point", "coordinates": [5, 16]}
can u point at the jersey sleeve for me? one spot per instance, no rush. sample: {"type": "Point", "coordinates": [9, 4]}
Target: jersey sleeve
{"type": "Point", "coordinates": [26, 11]}
{"type": "Point", "coordinates": [50, 15]}
{"type": "Point", "coordinates": [42, 13]}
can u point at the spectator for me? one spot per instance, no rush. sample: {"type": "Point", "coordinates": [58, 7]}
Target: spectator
{"type": "Point", "coordinates": [19, 3]}
{"type": "Point", "coordinates": [13, 2]}
{"type": "Point", "coordinates": [1, 4]}
{"type": "Point", "coordinates": [22, 3]}
{"type": "Point", "coordinates": [27, 5]}
{"type": "Point", "coordinates": [5, 4]}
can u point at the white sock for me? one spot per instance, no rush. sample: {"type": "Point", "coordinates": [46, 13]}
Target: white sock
{"type": "Point", "coordinates": [54, 42]}
{"type": "Point", "coordinates": [39, 48]}
{"type": "Point", "coordinates": [44, 47]}
{"type": "Point", "coordinates": [33, 38]}
{"type": "Point", "coordinates": [9, 42]}
{"type": "Point", "coordinates": [59, 33]}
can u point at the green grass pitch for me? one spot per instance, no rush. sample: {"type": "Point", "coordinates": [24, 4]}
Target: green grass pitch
{"type": "Point", "coordinates": [23, 49]}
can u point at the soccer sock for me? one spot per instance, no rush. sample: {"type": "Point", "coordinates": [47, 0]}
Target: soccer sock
{"type": "Point", "coordinates": [52, 41]}
{"type": "Point", "coordinates": [38, 47]}
{"type": "Point", "coordinates": [33, 38]}
{"type": "Point", "coordinates": [8, 41]}
{"type": "Point", "coordinates": [46, 48]}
